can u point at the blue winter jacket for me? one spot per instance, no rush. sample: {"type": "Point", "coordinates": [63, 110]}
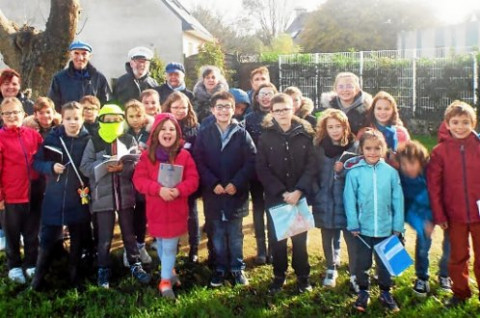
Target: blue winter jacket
{"type": "Point", "coordinates": [61, 204]}
{"type": "Point", "coordinates": [417, 202]}
{"type": "Point", "coordinates": [373, 199]}
{"type": "Point", "coordinates": [230, 161]}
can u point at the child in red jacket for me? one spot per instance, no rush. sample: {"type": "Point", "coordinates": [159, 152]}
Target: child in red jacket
{"type": "Point", "coordinates": [167, 175]}
{"type": "Point", "coordinates": [454, 189]}
{"type": "Point", "coordinates": [18, 197]}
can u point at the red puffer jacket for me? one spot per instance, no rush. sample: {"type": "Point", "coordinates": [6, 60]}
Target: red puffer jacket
{"type": "Point", "coordinates": [166, 219]}
{"type": "Point", "coordinates": [453, 180]}
{"type": "Point", "coordinates": [17, 148]}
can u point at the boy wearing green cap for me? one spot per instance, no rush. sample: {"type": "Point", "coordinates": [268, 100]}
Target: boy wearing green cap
{"type": "Point", "coordinates": [112, 191]}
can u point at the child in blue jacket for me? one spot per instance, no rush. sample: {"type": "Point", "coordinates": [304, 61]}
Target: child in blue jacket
{"type": "Point", "coordinates": [413, 158]}
{"type": "Point", "coordinates": [373, 201]}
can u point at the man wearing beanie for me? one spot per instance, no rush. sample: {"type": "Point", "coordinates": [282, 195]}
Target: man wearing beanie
{"type": "Point", "coordinates": [175, 74]}
{"type": "Point", "coordinates": [79, 79]}
{"type": "Point", "coordinates": [137, 79]}
{"type": "Point", "coordinates": [112, 190]}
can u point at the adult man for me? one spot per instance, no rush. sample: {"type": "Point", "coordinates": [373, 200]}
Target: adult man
{"type": "Point", "coordinates": [80, 78]}
{"type": "Point", "coordinates": [136, 79]}
{"type": "Point", "coordinates": [175, 74]}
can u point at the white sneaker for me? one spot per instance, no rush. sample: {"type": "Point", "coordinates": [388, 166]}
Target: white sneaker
{"type": "Point", "coordinates": [125, 259]}
{"type": "Point", "coordinates": [16, 275]}
{"type": "Point", "coordinates": [145, 258]}
{"type": "Point", "coordinates": [330, 279]}
{"type": "Point", "coordinates": [30, 272]}
{"type": "Point", "coordinates": [3, 243]}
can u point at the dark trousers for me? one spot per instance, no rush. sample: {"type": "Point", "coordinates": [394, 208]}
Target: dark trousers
{"type": "Point", "coordinates": [258, 203]}
{"type": "Point", "coordinates": [140, 221]}
{"type": "Point", "coordinates": [49, 237]}
{"type": "Point", "coordinates": [364, 263]}
{"type": "Point", "coordinates": [330, 238]}
{"type": "Point", "coordinates": [299, 256]}
{"type": "Point", "coordinates": [21, 219]}
{"type": "Point", "coordinates": [106, 223]}
{"type": "Point", "coordinates": [193, 225]}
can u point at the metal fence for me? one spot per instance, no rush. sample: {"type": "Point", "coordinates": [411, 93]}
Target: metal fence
{"type": "Point", "coordinates": [422, 86]}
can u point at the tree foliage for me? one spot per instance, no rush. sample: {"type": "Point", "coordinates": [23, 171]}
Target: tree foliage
{"type": "Point", "coordinates": [362, 24]}
{"type": "Point", "coordinates": [37, 55]}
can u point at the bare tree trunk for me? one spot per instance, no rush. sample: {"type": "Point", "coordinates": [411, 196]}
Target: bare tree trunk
{"type": "Point", "coordinates": [38, 55]}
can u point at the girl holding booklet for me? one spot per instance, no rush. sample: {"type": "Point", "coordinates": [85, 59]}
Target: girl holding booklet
{"type": "Point", "coordinates": [333, 142]}
{"type": "Point", "coordinates": [166, 161]}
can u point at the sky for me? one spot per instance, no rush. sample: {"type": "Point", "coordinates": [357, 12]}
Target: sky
{"type": "Point", "coordinates": [448, 11]}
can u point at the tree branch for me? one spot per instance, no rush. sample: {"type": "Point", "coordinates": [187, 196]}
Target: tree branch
{"type": "Point", "coordinates": [9, 50]}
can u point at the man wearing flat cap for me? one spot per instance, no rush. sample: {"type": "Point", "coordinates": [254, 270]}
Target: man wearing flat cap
{"type": "Point", "coordinates": [136, 79]}
{"type": "Point", "coordinates": [79, 79]}
{"type": "Point", "coordinates": [175, 75]}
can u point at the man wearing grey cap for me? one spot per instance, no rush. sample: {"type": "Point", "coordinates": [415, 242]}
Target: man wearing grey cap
{"type": "Point", "coordinates": [136, 79]}
{"type": "Point", "coordinates": [175, 74]}
{"type": "Point", "coordinates": [79, 79]}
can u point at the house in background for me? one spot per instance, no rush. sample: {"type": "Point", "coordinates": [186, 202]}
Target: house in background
{"type": "Point", "coordinates": [298, 24]}
{"type": "Point", "coordinates": [440, 41]}
{"type": "Point", "coordinates": [113, 27]}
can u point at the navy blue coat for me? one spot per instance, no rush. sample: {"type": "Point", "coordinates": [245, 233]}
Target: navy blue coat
{"type": "Point", "coordinates": [128, 87]}
{"type": "Point", "coordinates": [61, 203]}
{"type": "Point", "coordinates": [234, 164]}
{"type": "Point", "coordinates": [71, 85]}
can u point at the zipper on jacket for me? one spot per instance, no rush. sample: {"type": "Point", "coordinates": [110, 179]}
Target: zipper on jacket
{"type": "Point", "coordinates": [20, 140]}
{"type": "Point", "coordinates": [464, 170]}
{"type": "Point", "coordinates": [375, 208]}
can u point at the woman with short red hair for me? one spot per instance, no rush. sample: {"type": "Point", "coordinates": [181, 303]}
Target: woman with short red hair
{"type": "Point", "coordinates": [10, 86]}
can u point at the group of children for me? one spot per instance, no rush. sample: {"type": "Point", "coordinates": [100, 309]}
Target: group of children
{"type": "Point", "coordinates": [105, 160]}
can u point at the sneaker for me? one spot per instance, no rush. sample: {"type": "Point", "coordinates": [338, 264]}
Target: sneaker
{"type": "Point", "coordinates": [454, 302]}
{"type": "Point", "coordinates": [354, 288]}
{"type": "Point", "coordinates": [387, 300]}
{"type": "Point", "coordinates": [103, 277]}
{"type": "Point", "coordinates": [217, 279]}
{"type": "Point", "coordinates": [3, 242]}
{"type": "Point", "coordinates": [303, 285]}
{"type": "Point", "coordinates": [445, 283]}
{"type": "Point", "coordinates": [260, 260]}
{"type": "Point", "coordinates": [336, 258]}
{"type": "Point", "coordinates": [165, 288]}
{"type": "Point", "coordinates": [362, 301]}
{"type": "Point", "coordinates": [145, 258]}
{"type": "Point", "coordinates": [330, 279]}
{"type": "Point", "coordinates": [125, 259]}
{"type": "Point", "coordinates": [277, 285]}
{"type": "Point", "coordinates": [240, 278]}
{"type": "Point", "coordinates": [16, 275]}
{"type": "Point", "coordinates": [421, 287]}
{"type": "Point", "coordinates": [30, 272]}
{"type": "Point", "coordinates": [139, 273]}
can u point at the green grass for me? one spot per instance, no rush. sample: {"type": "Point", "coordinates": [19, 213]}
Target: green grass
{"type": "Point", "coordinates": [427, 140]}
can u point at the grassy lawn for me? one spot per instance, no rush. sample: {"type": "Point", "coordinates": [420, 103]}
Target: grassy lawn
{"type": "Point", "coordinates": [126, 298]}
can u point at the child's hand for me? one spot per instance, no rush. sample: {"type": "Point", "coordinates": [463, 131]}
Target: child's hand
{"type": "Point", "coordinates": [230, 189]}
{"type": "Point", "coordinates": [338, 167]}
{"type": "Point", "coordinates": [443, 225]}
{"type": "Point", "coordinates": [355, 233]}
{"type": "Point", "coordinates": [397, 233]}
{"type": "Point", "coordinates": [292, 197]}
{"type": "Point", "coordinates": [166, 194]}
{"type": "Point", "coordinates": [115, 167]}
{"type": "Point", "coordinates": [219, 189]}
{"type": "Point", "coordinates": [428, 228]}
{"type": "Point", "coordinates": [175, 193]}
{"type": "Point", "coordinates": [58, 168]}
{"type": "Point", "coordinates": [2, 205]}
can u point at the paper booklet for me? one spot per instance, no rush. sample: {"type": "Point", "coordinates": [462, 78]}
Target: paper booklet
{"type": "Point", "coordinates": [347, 155]}
{"type": "Point", "coordinates": [170, 175]}
{"type": "Point", "coordinates": [123, 154]}
{"type": "Point", "coordinates": [52, 153]}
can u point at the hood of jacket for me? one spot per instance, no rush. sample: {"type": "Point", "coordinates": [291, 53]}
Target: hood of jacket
{"type": "Point", "coordinates": [269, 123]}
{"type": "Point", "coordinates": [330, 99]}
{"type": "Point", "coordinates": [306, 108]}
{"type": "Point", "coordinates": [31, 122]}
{"type": "Point", "coordinates": [159, 119]}
{"type": "Point", "coordinates": [200, 91]}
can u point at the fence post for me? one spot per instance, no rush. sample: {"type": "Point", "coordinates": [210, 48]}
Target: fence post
{"type": "Point", "coordinates": [280, 73]}
{"type": "Point", "coordinates": [361, 69]}
{"type": "Point", "coordinates": [414, 82]}
{"type": "Point", "coordinates": [317, 101]}
{"type": "Point", "coordinates": [475, 78]}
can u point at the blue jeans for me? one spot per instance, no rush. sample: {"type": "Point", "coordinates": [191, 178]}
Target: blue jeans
{"type": "Point", "coordinates": [422, 248]}
{"type": "Point", "coordinates": [228, 237]}
{"type": "Point", "coordinates": [167, 253]}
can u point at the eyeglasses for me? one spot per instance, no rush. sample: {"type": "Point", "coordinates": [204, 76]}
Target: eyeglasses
{"type": "Point", "coordinates": [265, 94]}
{"type": "Point", "coordinates": [178, 108]}
{"type": "Point", "coordinates": [90, 109]}
{"type": "Point", "coordinates": [13, 112]}
{"type": "Point", "coordinates": [345, 87]}
{"type": "Point", "coordinates": [220, 107]}
{"type": "Point", "coordinates": [281, 111]}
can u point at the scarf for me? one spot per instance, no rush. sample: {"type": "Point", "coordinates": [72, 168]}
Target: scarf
{"type": "Point", "coordinates": [180, 88]}
{"type": "Point", "coordinates": [390, 134]}
{"type": "Point", "coordinates": [161, 154]}
{"type": "Point", "coordinates": [356, 103]}
{"type": "Point", "coordinates": [332, 150]}
{"type": "Point", "coordinates": [110, 131]}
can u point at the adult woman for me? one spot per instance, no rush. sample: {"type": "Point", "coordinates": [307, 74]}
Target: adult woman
{"type": "Point", "coordinates": [210, 82]}
{"type": "Point", "coordinates": [10, 85]}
